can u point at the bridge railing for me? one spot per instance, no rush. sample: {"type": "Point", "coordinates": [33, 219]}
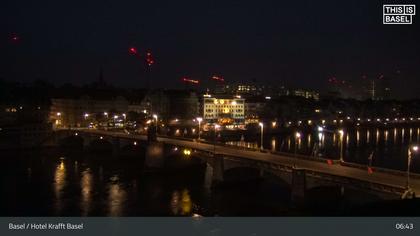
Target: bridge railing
{"type": "Point", "coordinates": [291, 155]}
{"type": "Point", "coordinates": [338, 179]}
{"type": "Point", "coordinates": [381, 170]}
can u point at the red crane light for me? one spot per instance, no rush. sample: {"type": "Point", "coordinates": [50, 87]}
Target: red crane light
{"type": "Point", "coordinates": [332, 80]}
{"type": "Point", "coordinates": [14, 38]}
{"type": "Point", "coordinates": [218, 78]}
{"type": "Point", "coordinates": [149, 59]}
{"type": "Point", "coordinates": [191, 81]}
{"type": "Point", "coordinates": [132, 50]}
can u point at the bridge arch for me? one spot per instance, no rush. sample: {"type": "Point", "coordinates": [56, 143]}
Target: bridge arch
{"type": "Point", "coordinates": [241, 173]}
{"type": "Point", "coordinates": [100, 145]}
{"type": "Point", "coordinates": [72, 142]}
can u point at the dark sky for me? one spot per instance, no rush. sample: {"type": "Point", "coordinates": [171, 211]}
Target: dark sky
{"type": "Point", "coordinates": [296, 43]}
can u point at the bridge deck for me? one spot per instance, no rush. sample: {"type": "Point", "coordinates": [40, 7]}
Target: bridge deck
{"type": "Point", "coordinates": [383, 178]}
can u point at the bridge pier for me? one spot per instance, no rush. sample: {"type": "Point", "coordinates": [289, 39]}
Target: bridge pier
{"type": "Point", "coordinates": [154, 155]}
{"type": "Point", "coordinates": [115, 146]}
{"type": "Point", "coordinates": [218, 170]}
{"type": "Point", "coordinates": [208, 176]}
{"type": "Point", "coordinates": [298, 185]}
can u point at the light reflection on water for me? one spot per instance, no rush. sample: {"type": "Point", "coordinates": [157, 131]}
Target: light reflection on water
{"type": "Point", "coordinates": [59, 183]}
{"type": "Point", "coordinates": [86, 189]}
{"type": "Point", "coordinates": [181, 203]}
{"type": "Point", "coordinates": [115, 188]}
{"type": "Point", "coordinates": [116, 197]}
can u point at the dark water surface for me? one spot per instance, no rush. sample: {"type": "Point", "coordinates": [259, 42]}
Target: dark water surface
{"type": "Point", "coordinates": [50, 183]}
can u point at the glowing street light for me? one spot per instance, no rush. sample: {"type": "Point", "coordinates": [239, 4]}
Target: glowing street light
{"type": "Point", "coordinates": [411, 149]}
{"type": "Point", "coordinates": [320, 133]}
{"type": "Point", "coordinates": [297, 138]}
{"type": "Point", "coordinates": [262, 135]}
{"type": "Point", "coordinates": [86, 116]}
{"type": "Point", "coordinates": [216, 127]}
{"type": "Point", "coordinates": [341, 132]}
{"type": "Point", "coordinates": [320, 129]}
{"type": "Point", "coordinates": [58, 113]}
{"type": "Point", "coordinates": [199, 119]}
{"type": "Point", "coordinates": [155, 116]}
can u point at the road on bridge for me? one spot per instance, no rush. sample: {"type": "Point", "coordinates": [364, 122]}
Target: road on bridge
{"type": "Point", "coordinates": [384, 178]}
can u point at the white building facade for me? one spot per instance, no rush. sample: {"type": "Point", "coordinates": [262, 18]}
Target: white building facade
{"type": "Point", "coordinates": [228, 112]}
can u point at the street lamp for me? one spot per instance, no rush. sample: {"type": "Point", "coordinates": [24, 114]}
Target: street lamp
{"type": "Point", "coordinates": [411, 149]}
{"type": "Point", "coordinates": [156, 120]}
{"type": "Point", "coordinates": [320, 134]}
{"type": "Point", "coordinates": [58, 120]}
{"type": "Point", "coordinates": [297, 137]}
{"type": "Point", "coordinates": [262, 134]}
{"type": "Point", "coordinates": [216, 127]}
{"type": "Point", "coordinates": [199, 119]}
{"type": "Point", "coordinates": [320, 129]}
{"type": "Point", "coordinates": [341, 132]}
{"type": "Point", "coordinates": [86, 115]}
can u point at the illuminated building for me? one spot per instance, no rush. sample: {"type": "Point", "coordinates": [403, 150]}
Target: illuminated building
{"type": "Point", "coordinates": [306, 94]}
{"type": "Point", "coordinates": [71, 112]}
{"type": "Point", "coordinates": [228, 112]}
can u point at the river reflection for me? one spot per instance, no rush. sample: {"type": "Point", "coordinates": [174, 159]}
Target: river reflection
{"type": "Point", "coordinates": [116, 196]}
{"type": "Point", "coordinates": [181, 202]}
{"type": "Point", "coordinates": [86, 190]}
{"type": "Point", "coordinates": [388, 145]}
{"type": "Point", "coordinates": [59, 183]}
{"type": "Point", "coordinates": [50, 184]}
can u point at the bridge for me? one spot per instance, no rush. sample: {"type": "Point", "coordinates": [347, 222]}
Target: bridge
{"type": "Point", "coordinates": [299, 173]}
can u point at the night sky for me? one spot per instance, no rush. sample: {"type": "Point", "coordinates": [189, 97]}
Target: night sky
{"type": "Point", "coordinates": [295, 43]}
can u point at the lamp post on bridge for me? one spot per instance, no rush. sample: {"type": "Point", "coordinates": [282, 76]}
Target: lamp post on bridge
{"type": "Point", "coordinates": [341, 132]}
{"type": "Point", "coordinates": [297, 138]}
{"type": "Point", "coordinates": [216, 127]}
{"type": "Point", "coordinates": [199, 119]}
{"type": "Point", "coordinates": [410, 151]}
{"type": "Point", "coordinates": [262, 135]}
{"type": "Point", "coordinates": [155, 116]}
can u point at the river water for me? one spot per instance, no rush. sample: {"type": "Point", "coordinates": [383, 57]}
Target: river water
{"type": "Point", "coordinates": [53, 183]}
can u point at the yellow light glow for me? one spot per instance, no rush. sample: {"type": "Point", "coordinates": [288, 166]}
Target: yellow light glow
{"type": "Point", "coordinates": [187, 152]}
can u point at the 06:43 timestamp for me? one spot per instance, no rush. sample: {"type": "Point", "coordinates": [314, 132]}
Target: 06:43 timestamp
{"type": "Point", "coordinates": [404, 226]}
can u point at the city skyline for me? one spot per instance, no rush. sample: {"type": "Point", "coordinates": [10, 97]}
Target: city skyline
{"type": "Point", "coordinates": [271, 42]}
